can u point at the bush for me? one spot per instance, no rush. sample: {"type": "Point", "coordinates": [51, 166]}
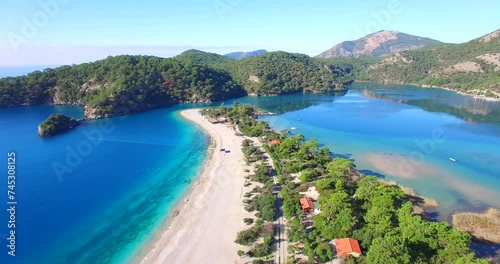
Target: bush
{"type": "Point", "coordinates": [247, 237]}
{"type": "Point", "coordinates": [263, 249]}
{"type": "Point", "coordinates": [250, 208]}
{"type": "Point", "coordinates": [248, 221]}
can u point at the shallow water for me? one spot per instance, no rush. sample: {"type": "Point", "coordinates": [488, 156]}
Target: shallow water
{"type": "Point", "coordinates": [425, 126]}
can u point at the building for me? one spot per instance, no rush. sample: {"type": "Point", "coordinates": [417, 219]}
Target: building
{"type": "Point", "coordinates": [274, 142]}
{"type": "Point", "coordinates": [307, 205]}
{"type": "Point", "coordinates": [347, 247]}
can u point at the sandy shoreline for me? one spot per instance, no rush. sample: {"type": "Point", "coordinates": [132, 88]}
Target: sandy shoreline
{"type": "Point", "coordinates": [211, 213]}
{"type": "Point", "coordinates": [399, 166]}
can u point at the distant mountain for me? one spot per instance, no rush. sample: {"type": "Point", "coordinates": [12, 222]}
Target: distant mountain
{"type": "Point", "coordinates": [382, 43]}
{"type": "Point", "coordinates": [472, 67]}
{"type": "Point", "coordinates": [241, 55]}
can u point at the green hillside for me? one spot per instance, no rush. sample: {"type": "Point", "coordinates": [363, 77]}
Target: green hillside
{"type": "Point", "coordinates": [122, 84]}
{"type": "Point", "coordinates": [472, 67]}
{"type": "Point", "coordinates": [201, 57]}
{"type": "Point", "coordinates": [281, 72]}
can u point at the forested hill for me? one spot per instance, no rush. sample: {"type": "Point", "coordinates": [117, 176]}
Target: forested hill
{"type": "Point", "coordinates": [472, 67]}
{"type": "Point", "coordinates": [274, 72]}
{"type": "Point", "coordinates": [281, 72]}
{"type": "Point", "coordinates": [201, 57]}
{"type": "Point", "coordinates": [122, 84]}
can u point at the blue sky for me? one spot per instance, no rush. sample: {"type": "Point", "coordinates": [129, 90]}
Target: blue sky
{"type": "Point", "coordinates": [75, 31]}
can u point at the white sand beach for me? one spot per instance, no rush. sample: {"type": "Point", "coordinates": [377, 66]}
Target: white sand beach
{"type": "Point", "coordinates": [211, 214]}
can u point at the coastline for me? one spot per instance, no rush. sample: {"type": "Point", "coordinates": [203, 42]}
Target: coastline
{"type": "Point", "coordinates": [202, 226]}
{"type": "Point", "coordinates": [482, 97]}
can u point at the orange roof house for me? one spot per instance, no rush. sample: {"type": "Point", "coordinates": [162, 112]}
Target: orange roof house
{"type": "Point", "coordinates": [347, 247]}
{"type": "Point", "coordinates": [274, 142]}
{"type": "Point", "coordinates": [306, 204]}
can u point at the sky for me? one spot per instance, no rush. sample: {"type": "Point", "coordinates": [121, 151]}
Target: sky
{"type": "Point", "coordinates": [57, 32]}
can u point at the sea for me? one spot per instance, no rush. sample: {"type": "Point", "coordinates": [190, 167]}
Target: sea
{"type": "Point", "coordinates": [13, 71]}
{"type": "Point", "coordinates": [98, 193]}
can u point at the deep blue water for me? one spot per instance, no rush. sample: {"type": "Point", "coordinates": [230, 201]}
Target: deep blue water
{"type": "Point", "coordinates": [116, 179]}
{"type": "Point", "coordinates": [120, 177]}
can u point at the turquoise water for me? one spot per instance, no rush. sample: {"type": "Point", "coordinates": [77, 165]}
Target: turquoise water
{"type": "Point", "coordinates": [400, 121]}
{"type": "Point", "coordinates": [116, 179]}
{"type": "Point", "coordinates": [111, 195]}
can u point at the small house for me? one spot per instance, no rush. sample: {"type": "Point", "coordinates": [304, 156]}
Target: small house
{"type": "Point", "coordinates": [307, 205]}
{"type": "Point", "coordinates": [347, 247]}
{"type": "Point", "coordinates": [274, 142]}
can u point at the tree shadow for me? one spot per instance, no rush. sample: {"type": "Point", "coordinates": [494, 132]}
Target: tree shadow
{"type": "Point", "coordinates": [347, 156]}
{"type": "Point", "coordinates": [484, 250]}
{"type": "Point", "coordinates": [373, 173]}
{"type": "Point", "coordinates": [431, 216]}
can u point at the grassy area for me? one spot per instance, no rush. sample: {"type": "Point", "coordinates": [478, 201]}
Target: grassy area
{"type": "Point", "coordinates": [485, 226]}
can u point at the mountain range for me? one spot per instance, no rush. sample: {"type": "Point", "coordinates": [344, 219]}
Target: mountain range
{"type": "Point", "coordinates": [382, 43]}
{"type": "Point", "coordinates": [242, 55]}
{"type": "Point", "coordinates": [472, 67]}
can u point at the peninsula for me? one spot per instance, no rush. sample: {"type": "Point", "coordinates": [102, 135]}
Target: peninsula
{"type": "Point", "coordinates": [254, 182]}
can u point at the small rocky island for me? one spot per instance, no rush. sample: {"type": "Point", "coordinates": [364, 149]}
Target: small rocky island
{"type": "Point", "coordinates": [56, 124]}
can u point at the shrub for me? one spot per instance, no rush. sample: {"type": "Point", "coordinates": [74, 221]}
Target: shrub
{"type": "Point", "coordinates": [246, 237]}
{"type": "Point", "coordinates": [248, 221]}
{"type": "Point", "coordinates": [263, 249]}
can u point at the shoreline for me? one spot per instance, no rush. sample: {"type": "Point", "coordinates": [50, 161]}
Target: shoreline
{"type": "Point", "coordinates": [482, 97]}
{"type": "Point", "coordinates": [203, 224]}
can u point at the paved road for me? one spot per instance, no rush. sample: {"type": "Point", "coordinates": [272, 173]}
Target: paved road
{"type": "Point", "coordinates": [280, 234]}
{"type": "Point", "coordinates": [281, 241]}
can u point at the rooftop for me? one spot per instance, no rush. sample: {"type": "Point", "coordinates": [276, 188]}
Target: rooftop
{"type": "Point", "coordinates": [347, 247]}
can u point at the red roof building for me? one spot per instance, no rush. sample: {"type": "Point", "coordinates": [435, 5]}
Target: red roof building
{"type": "Point", "coordinates": [274, 142]}
{"type": "Point", "coordinates": [347, 247]}
{"type": "Point", "coordinates": [307, 205]}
